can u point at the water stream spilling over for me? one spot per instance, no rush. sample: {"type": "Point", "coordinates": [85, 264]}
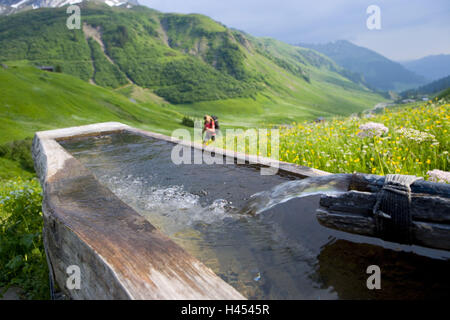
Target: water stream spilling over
{"type": "Point", "coordinates": [262, 201]}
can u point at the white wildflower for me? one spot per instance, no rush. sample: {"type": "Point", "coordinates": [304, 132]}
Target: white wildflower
{"type": "Point", "coordinates": [416, 135]}
{"type": "Point", "coordinates": [371, 129]}
{"type": "Point", "coordinates": [439, 176]}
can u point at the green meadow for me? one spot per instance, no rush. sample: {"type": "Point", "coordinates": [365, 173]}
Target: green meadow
{"type": "Point", "coordinates": [34, 100]}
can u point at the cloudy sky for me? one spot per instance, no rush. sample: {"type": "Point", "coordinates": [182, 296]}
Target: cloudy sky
{"type": "Point", "coordinates": [410, 29]}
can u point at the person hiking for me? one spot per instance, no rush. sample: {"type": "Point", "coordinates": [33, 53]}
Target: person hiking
{"type": "Point", "coordinates": [210, 126]}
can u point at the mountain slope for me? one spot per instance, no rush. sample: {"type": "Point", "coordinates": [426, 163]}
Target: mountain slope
{"type": "Point", "coordinates": [431, 67]}
{"type": "Point", "coordinates": [132, 39]}
{"type": "Point", "coordinates": [188, 60]}
{"type": "Point", "coordinates": [378, 71]}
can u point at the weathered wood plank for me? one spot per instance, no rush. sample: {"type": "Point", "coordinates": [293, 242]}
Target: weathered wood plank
{"type": "Point", "coordinates": [372, 183]}
{"type": "Point", "coordinates": [347, 222]}
{"type": "Point", "coordinates": [423, 208]}
{"type": "Point", "coordinates": [432, 235]}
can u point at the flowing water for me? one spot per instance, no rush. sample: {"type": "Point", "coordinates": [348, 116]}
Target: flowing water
{"type": "Point", "coordinates": [265, 200]}
{"type": "Point", "coordinates": [278, 251]}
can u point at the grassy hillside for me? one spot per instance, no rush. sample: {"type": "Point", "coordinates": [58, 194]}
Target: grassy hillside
{"type": "Point", "coordinates": [105, 74]}
{"type": "Point", "coordinates": [34, 100]}
{"type": "Point", "coordinates": [445, 94]}
{"type": "Point", "coordinates": [133, 39]}
{"type": "Point", "coordinates": [184, 59]}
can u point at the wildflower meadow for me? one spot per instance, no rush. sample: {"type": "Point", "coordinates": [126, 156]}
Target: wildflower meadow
{"type": "Point", "coordinates": [413, 140]}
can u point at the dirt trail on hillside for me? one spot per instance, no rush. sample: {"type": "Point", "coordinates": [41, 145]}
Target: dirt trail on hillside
{"type": "Point", "coordinates": [96, 34]}
{"type": "Point", "coordinates": [163, 33]}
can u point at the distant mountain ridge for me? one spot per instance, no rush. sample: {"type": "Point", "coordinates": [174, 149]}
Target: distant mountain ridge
{"type": "Point", "coordinates": [432, 67]}
{"type": "Point", "coordinates": [14, 6]}
{"type": "Point", "coordinates": [428, 89]}
{"type": "Point", "coordinates": [378, 71]}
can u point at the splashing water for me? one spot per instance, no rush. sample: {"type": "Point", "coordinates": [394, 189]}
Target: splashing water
{"type": "Point", "coordinates": [185, 207]}
{"type": "Point", "coordinates": [262, 201]}
{"type": "Point", "coordinates": [174, 202]}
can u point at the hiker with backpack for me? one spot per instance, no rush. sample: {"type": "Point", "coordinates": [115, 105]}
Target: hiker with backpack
{"type": "Point", "coordinates": [211, 125]}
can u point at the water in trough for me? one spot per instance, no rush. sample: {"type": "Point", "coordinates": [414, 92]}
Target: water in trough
{"type": "Point", "coordinates": [281, 252]}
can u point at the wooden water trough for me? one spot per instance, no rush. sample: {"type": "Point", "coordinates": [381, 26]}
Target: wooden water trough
{"type": "Point", "coordinates": [122, 256]}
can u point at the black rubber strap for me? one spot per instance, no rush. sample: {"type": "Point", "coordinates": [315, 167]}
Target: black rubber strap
{"type": "Point", "coordinates": [392, 209]}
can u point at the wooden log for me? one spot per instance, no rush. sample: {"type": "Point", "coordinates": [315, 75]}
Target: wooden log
{"type": "Point", "coordinates": [347, 222]}
{"type": "Point", "coordinates": [373, 183]}
{"type": "Point", "coordinates": [423, 207]}
{"type": "Point", "coordinates": [353, 212]}
{"type": "Point", "coordinates": [431, 235]}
